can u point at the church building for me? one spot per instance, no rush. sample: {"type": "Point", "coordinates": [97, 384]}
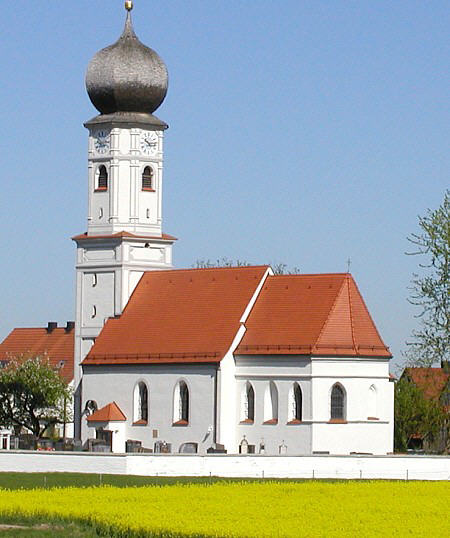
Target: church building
{"type": "Point", "coordinates": [233, 359]}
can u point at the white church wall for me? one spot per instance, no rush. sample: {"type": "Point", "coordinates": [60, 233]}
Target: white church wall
{"type": "Point", "coordinates": [339, 467]}
{"type": "Point", "coordinates": [226, 401]}
{"type": "Point", "coordinates": [161, 381]}
{"type": "Point", "coordinates": [368, 392]}
{"type": "Point", "coordinates": [283, 372]}
{"type": "Point", "coordinates": [359, 437]}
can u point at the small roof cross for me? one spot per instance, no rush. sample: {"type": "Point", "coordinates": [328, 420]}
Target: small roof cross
{"type": "Point", "coordinates": [349, 262]}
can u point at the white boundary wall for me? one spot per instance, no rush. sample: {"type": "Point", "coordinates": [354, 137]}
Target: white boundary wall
{"type": "Point", "coordinates": [252, 466]}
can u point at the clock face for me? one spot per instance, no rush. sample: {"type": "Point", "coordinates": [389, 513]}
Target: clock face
{"type": "Point", "coordinates": [149, 143]}
{"type": "Point", "coordinates": [101, 141]}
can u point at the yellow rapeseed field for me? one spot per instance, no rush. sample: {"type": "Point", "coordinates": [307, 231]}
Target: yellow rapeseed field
{"type": "Point", "coordinates": [249, 509]}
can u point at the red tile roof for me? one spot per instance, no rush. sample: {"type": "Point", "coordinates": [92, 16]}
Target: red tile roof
{"type": "Point", "coordinates": [311, 314]}
{"type": "Point", "coordinates": [431, 380]}
{"type": "Point", "coordinates": [109, 413]}
{"type": "Point", "coordinates": [189, 315]}
{"type": "Point", "coordinates": [163, 237]}
{"type": "Point", "coordinates": [58, 345]}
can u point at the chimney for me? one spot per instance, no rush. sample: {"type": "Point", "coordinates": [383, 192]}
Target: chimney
{"type": "Point", "coordinates": [445, 365]}
{"type": "Point", "coordinates": [70, 326]}
{"type": "Point", "coordinates": [51, 326]}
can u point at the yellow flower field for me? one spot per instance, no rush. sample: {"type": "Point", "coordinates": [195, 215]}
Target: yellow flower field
{"type": "Point", "coordinates": [249, 509]}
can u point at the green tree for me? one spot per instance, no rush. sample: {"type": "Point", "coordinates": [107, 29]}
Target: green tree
{"type": "Point", "coordinates": [278, 268]}
{"type": "Point", "coordinates": [430, 291]}
{"type": "Point", "coordinates": [32, 395]}
{"type": "Point", "coordinates": [414, 415]}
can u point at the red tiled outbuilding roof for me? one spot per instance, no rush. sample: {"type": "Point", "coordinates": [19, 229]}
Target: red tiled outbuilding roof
{"type": "Point", "coordinates": [189, 315]}
{"type": "Point", "coordinates": [58, 345]}
{"type": "Point", "coordinates": [322, 314]}
{"type": "Point", "coordinates": [109, 413]}
{"type": "Point", "coordinates": [431, 380]}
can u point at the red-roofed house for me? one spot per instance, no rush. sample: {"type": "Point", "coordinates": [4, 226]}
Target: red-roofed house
{"type": "Point", "coordinates": [56, 343]}
{"type": "Point", "coordinates": [435, 385]}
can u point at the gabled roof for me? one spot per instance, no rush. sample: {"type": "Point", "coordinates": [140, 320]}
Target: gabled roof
{"type": "Point", "coordinates": [320, 314]}
{"type": "Point", "coordinates": [58, 345]}
{"type": "Point", "coordinates": [109, 413]}
{"type": "Point", "coordinates": [189, 315]}
{"type": "Point", "coordinates": [431, 380]}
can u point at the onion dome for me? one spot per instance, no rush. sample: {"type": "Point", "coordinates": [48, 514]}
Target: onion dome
{"type": "Point", "coordinates": [127, 76]}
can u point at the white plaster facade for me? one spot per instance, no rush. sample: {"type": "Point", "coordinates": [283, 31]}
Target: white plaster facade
{"type": "Point", "coordinates": [105, 384]}
{"type": "Point", "coordinates": [124, 205]}
{"type": "Point", "coordinates": [216, 397]}
{"type": "Point", "coordinates": [110, 262]}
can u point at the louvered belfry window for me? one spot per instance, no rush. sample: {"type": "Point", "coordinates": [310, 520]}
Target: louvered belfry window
{"type": "Point", "coordinates": [102, 178]}
{"type": "Point", "coordinates": [147, 179]}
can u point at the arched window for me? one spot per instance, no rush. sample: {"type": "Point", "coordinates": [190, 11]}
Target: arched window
{"type": "Point", "coordinates": [337, 403]}
{"type": "Point", "coordinates": [181, 404]}
{"type": "Point", "coordinates": [295, 403]}
{"type": "Point", "coordinates": [102, 180]}
{"type": "Point", "coordinates": [141, 402]}
{"type": "Point", "coordinates": [271, 404]}
{"type": "Point", "coordinates": [147, 179]}
{"type": "Point", "coordinates": [248, 403]}
{"type": "Point", "coordinates": [372, 411]}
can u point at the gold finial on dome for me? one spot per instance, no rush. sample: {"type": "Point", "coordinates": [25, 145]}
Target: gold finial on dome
{"type": "Point", "coordinates": [129, 5]}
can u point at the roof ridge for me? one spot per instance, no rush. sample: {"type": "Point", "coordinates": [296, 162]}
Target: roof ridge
{"type": "Point", "coordinates": [309, 274]}
{"type": "Point", "coordinates": [37, 328]}
{"type": "Point", "coordinates": [333, 306]}
{"type": "Point", "coordinates": [370, 316]}
{"type": "Point", "coordinates": [352, 328]}
{"type": "Point", "coordinates": [190, 269]}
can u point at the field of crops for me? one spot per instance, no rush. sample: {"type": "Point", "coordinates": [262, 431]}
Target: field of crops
{"type": "Point", "coordinates": [246, 508]}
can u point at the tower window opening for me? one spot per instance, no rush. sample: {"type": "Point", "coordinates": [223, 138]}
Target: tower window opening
{"type": "Point", "coordinates": [102, 180]}
{"type": "Point", "coordinates": [147, 179]}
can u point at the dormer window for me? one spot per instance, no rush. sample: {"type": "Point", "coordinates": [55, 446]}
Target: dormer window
{"type": "Point", "coordinates": [147, 179]}
{"type": "Point", "coordinates": [102, 179]}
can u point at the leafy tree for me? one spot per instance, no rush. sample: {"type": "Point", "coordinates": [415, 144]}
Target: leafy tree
{"type": "Point", "coordinates": [278, 268]}
{"type": "Point", "coordinates": [414, 415]}
{"type": "Point", "coordinates": [32, 395]}
{"type": "Point", "coordinates": [430, 291]}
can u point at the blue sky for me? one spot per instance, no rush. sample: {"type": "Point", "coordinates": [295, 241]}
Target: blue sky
{"type": "Point", "coordinates": [302, 132]}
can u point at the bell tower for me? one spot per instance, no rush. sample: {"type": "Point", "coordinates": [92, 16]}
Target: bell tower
{"type": "Point", "coordinates": [126, 82]}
